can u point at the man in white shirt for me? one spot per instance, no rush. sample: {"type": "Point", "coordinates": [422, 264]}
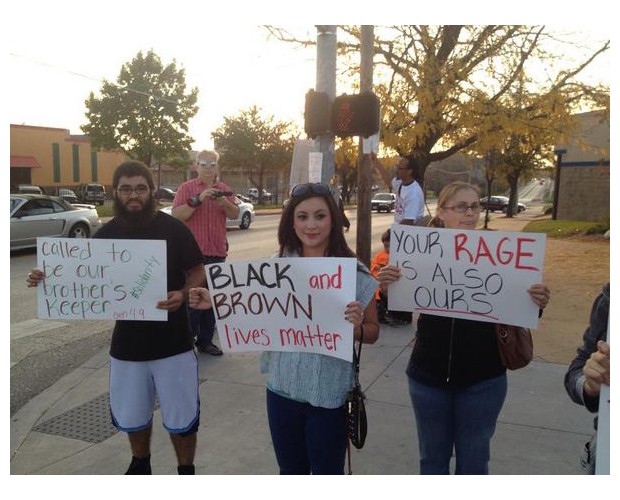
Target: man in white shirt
{"type": "Point", "coordinates": [409, 206]}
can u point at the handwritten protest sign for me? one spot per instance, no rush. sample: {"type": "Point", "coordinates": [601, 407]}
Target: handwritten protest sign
{"type": "Point", "coordinates": [101, 279]}
{"type": "Point", "coordinates": [480, 275]}
{"type": "Point", "coordinates": [287, 304]}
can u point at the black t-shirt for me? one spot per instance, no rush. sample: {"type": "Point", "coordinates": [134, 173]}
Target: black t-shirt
{"type": "Point", "coordinates": [450, 352]}
{"type": "Point", "coordinates": [148, 340]}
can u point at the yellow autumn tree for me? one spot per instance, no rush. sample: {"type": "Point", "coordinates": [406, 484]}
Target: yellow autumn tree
{"type": "Point", "coordinates": [448, 89]}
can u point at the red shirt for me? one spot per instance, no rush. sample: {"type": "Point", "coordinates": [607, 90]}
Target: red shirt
{"type": "Point", "coordinates": [208, 222]}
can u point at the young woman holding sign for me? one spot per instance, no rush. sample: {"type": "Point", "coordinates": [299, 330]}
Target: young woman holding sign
{"type": "Point", "coordinates": [457, 382]}
{"type": "Point", "coordinates": [306, 392]}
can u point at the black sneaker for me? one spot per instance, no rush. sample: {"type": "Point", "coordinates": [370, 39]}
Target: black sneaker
{"type": "Point", "coordinates": [211, 349]}
{"type": "Point", "coordinates": [139, 466]}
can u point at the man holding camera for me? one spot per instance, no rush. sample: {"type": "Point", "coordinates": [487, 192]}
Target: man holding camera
{"type": "Point", "coordinates": [204, 203]}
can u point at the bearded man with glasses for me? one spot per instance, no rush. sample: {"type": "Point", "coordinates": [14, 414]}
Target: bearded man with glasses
{"type": "Point", "coordinates": [149, 358]}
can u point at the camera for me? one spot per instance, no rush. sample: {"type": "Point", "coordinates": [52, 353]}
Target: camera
{"type": "Point", "coordinates": [218, 194]}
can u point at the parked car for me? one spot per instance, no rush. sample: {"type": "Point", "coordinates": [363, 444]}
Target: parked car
{"type": "Point", "coordinates": [243, 198]}
{"type": "Point", "coordinates": [253, 195]}
{"type": "Point", "coordinates": [165, 193]}
{"type": "Point", "coordinates": [66, 194]}
{"type": "Point", "coordinates": [243, 221]}
{"type": "Point", "coordinates": [34, 215]}
{"type": "Point", "coordinates": [383, 202]}
{"type": "Point", "coordinates": [499, 203]}
{"type": "Point", "coordinates": [26, 189]}
{"type": "Point", "coordinates": [246, 215]}
{"type": "Point", "coordinates": [91, 193]}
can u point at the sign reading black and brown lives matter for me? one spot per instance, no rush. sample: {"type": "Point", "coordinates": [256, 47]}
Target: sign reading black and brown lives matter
{"type": "Point", "coordinates": [101, 279]}
{"type": "Point", "coordinates": [471, 274]}
{"type": "Point", "coordinates": [287, 304]}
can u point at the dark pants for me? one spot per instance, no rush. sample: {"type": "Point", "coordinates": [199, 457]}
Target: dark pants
{"type": "Point", "coordinates": [306, 439]}
{"type": "Point", "coordinates": [202, 321]}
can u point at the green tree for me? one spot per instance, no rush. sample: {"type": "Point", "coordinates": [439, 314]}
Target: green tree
{"type": "Point", "coordinates": [145, 113]}
{"type": "Point", "coordinates": [258, 145]}
{"type": "Point", "coordinates": [346, 161]}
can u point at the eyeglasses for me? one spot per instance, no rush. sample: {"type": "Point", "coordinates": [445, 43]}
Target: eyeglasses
{"type": "Point", "coordinates": [462, 207]}
{"type": "Point", "coordinates": [139, 189]}
{"type": "Point", "coordinates": [310, 187]}
{"type": "Point", "coordinates": [203, 163]}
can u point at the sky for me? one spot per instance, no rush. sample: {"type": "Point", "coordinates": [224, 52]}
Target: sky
{"type": "Point", "coordinates": [65, 49]}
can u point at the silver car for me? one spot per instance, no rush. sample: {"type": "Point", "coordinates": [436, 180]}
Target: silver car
{"type": "Point", "coordinates": [243, 221]}
{"type": "Point", "coordinates": [34, 215]}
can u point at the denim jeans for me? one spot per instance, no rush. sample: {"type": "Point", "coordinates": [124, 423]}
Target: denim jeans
{"type": "Point", "coordinates": [202, 321]}
{"type": "Point", "coordinates": [306, 439]}
{"type": "Point", "coordinates": [462, 420]}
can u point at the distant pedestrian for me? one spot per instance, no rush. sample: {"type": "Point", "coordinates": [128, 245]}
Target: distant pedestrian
{"type": "Point", "coordinates": [379, 260]}
{"type": "Point", "coordinates": [409, 207]}
{"type": "Point", "coordinates": [153, 358]}
{"type": "Point", "coordinates": [204, 204]}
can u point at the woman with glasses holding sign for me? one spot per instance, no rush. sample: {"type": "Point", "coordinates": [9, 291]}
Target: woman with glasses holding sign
{"type": "Point", "coordinates": [306, 392]}
{"type": "Point", "coordinates": [457, 382]}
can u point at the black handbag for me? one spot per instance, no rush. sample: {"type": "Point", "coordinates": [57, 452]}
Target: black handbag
{"type": "Point", "coordinates": [356, 410]}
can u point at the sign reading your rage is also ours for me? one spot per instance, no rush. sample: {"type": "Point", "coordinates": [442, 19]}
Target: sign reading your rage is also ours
{"type": "Point", "coordinates": [471, 274]}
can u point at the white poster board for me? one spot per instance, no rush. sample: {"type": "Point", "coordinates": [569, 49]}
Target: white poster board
{"type": "Point", "coordinates": [101, 279]}
{"type": "Point", "coordinates": [300, 162]}
{"type": "Point", "coordinates": [478, 275]}
{"type": "Point", "coordinates": [288, 304]}
{"type": "Point", "coordinates": [315, 167]}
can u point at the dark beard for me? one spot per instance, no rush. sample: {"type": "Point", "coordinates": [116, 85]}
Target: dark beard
{"type": "Point", "coordinates": [134, 221]}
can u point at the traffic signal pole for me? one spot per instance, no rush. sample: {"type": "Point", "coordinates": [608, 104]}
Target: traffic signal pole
{"type": "Point", "coordinates": [326, 48]}
{"type": "Point", "coordinates": [364, 191]}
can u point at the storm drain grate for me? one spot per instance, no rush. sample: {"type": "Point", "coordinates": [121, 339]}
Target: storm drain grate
{"type": "Point", "coordinates": [89, 422]}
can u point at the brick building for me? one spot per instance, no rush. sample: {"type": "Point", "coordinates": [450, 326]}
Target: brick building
{"type": "Point", "coordinates": [55, 158]}
{"type": "Point", "coordinates": [584, 170]}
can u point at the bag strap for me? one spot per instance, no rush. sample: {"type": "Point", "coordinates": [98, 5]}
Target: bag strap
{"type": "Point", "coordinates": [356, 371]}
{"type": "Point", "coordinates": [357, 356]}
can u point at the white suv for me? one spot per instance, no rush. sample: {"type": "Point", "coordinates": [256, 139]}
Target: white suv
{"type": "Point", "coordinates": [253, 194]}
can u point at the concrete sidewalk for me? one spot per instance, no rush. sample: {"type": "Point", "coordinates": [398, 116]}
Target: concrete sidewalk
{"type": "Point", "coordinates": [67, 430]}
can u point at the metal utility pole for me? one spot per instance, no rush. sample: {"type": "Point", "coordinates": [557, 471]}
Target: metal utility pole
{"type": "Point", "coordinates": [364, 231]}
{"type": "Point", "coordinates": [326, 82]}
{"type": "Point", "coordinates": [556, 186]}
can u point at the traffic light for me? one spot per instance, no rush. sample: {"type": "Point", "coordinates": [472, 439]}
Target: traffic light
{"type": "Point", "coordinates": [317, 118]}
{"type": "Point", "coordinates": [356, 114]}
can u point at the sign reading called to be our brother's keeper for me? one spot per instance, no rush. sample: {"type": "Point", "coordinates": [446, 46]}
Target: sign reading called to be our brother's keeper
{"type": "Point", "coordinates": [470, 274]}
{"type": "Point", "coordinates": [101, 279]}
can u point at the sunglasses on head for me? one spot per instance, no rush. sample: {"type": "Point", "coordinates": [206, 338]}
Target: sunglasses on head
{"type": "Point", "coordinates": [310, 187]}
